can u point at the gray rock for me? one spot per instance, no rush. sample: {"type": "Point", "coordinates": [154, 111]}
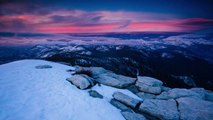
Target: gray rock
{"type": "Point", "coordinates": [163, 88]}
{"type": "Point", "coordinates": [95, 94]}
{"type": "Point", "coordinates": [114, 80]}
{"type": "Point", "coordinates": [81, 81]}
{"type": "Point", "coordinates": [125, 99]}
{"type": "Point", "coordinates": [144, 95]}
{"type": "Point", "coordinates": [177, 93]}
{"type": "Point", "coordinates": [120, 105]}
{"type": "Point", "coordinates": [95, 70]}
{"type": "Point", "coordinates": [209, 95]}
{"type": "Point", "coordinates": [133, 116]}
{"type": "Point", "coordinates": [149, 85]}
{"type": "Point", "coordinates": [149, 89]}
{"type": "Point", "coordinates": [107, 77]}
{"type": "Point", "coordinates": [200, 91]}
{"type": "Point", "coordinates": [149, 81]}
{"type": "Point", "coordinates": [133, 89]}
{"type": "Point", "coordinates": [195, 109]}
{"type": "Point", "coordinates": [162, 109]}
{"type": "Point", "coordinates": [43, 67]}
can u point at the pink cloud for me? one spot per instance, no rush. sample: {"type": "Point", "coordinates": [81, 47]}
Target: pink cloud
{"type": "Point", "coordinates": [77, 21]}
{"type": "Point", "coordinates": [78, 29]}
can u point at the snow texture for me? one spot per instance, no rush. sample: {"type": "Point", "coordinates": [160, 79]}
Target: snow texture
{"type": "Point", "coordinates": [27, 93]}
{"type": "Point", "coordinates": [108, 91]}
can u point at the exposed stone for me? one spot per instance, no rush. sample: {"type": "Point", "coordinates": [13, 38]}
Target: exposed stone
{"type": "Point", "coordinates": [107, 77]}
{"type": "Point", "coordinates": [145, 95]}
{"type": "Point", "coordinates": [125, 99]}
{"type": "Point", "coordinates": [195, 109]}
{"type": "Point", "coordinates": [149, 89]}
{"type": "Point", "coordinates": [200, 91]}
{"type": "Point", "coordinates": [43, 67]}
{"type": "Point", "coordinates": [133, 116]}
{"type": "Point", "coordinates": [133, 89]}
{"type": "Point", "coordinates": [95, 70]}
{"type": "Point", "coordinates": [149, 85]}
{"type": "Point", "coordinates": [162, 109]}
{"type": "Point", "coordinates": [209, 95]}
{"type": "Point", "coordinates": [149, 81]}
{"type": "Point", "coordinates": [95, 94]}
{"type": "Point", "coordinates": [115, 80]}
{"type": "Point", "coordinates": [163, 88]}
{"type": "Point", "coordinates": [177, 93]}
{"type": "Point", "coordinates": [81, 81]}
{"type": "Point", "coordinates": [120, 105]}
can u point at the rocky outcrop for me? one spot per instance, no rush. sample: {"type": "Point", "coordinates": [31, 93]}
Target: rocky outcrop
{"type": "Point", "coordinates": [162, 109]}
{"type": "Point", "coordinates": [81, 81]}
{"type": "Point", "coordinates": [180, 92]}
{"type": "Point", "coordinates": [199, 91]}
{"type": "Point", "coordinates": [120, 105]}
{"type": "Point", "coordinates": [163, 88]}
{"type": "Point", "coordinates": [125, 99]}
{"type": "Point", "coordinates": [115, 80]}
{"type": "Point", "coordinates": [43, 67]}
{"type": "Point", "coordinates": [144, 95]}
{"type": "Point", "coordinates": [149, 85]}
{"type": "Point", "coordinates": [107, 77]}
{"type": "Point", "coordinates": [95, 94]}
{"type": "Point", "coordinates": [133, 89]}
{"type": "Point", "coordinates": [157, 101]}
{"type": "Point", "coordinates": [133, 116]}
{"type": "Point", "coordinates": [94, 70]}
{"type": "Point", "coordinates": [195, 109]}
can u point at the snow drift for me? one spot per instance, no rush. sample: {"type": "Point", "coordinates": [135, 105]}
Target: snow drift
{"type": "Point", "coordinates": [28, 93]}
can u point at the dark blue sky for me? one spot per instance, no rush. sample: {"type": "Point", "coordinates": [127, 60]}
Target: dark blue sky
{"type": "Point", "coordinates": [183, 8]}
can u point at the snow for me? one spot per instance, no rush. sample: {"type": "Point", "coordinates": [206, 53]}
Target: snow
{"type": "Point", "coordinates": [72, 48]}
{"type": "Point", "coordinates": [27, 93]}
{"type": "Point", "coordinates": [108, 91]}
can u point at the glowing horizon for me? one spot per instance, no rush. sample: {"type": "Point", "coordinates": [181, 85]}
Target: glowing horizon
{"type": "Point", "coordinates": [39, 18]}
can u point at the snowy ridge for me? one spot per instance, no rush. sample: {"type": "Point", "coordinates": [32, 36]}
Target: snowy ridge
{"type": "Point", "coordinates": [42, 90]}
{"type": "Point", "coordinates": [29, 93]}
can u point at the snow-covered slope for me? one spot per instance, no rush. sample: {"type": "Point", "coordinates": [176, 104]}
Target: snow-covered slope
{"type": "Point", "coordinates": [27, 93]}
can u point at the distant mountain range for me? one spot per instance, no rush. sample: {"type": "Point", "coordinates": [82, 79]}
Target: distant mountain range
{"type": "Point", "coordinates": [180, 60]}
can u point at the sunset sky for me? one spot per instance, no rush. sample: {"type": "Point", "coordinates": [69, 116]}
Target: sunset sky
{"type": "Point", "coordinates": [100, 16]}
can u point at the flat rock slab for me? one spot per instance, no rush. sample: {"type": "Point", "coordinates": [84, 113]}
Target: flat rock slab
{"type": "Point", "coordinates": [125, 99]}
{"type": "Point", "coordinates": [149, 81]}
{"type": "Point", "coordinates": [43, 67]}
{"type": "Point", "coordinates": [164, 89]}
{"type": "Point", "coordinates": [195, 109]}
{"type": "Point", "coordinates": [120, 105]}
{"type": "Point", "coordinates": [149, 89]}
{"type": "Point", "coordinates": [95, 94]}
{"type": "Point", "coordinates": [94, 70]}
{"type": "Point", "coordinates": [114, 80]}
{"type": "Point", "coordinates": [200, 91]}
{"type": "Point", "coordinates": [162, 109]}
{"type": "Point", "coordinates": [80, 81]}
{"type": "Point", "coordinates": [149, 85]}
{"type": "Point", "coordinates": [133, 116]}
{"type": "Point", "coordinates": [144, 95]}
{"type": "Point", "coordinates": [178, 93]}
